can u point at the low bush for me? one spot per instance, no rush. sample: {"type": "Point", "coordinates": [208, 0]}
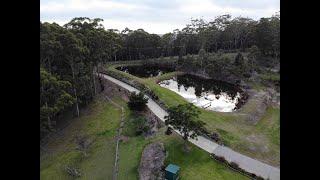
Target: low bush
{"type": "Point", "coordinates": [137, 102]}
{"type": "Point", "coordinates": [169, 131]}
{"type": "Point", "coordinates": [74, 172]}
{"type": "Point", "coordinates": [140, 125]}
{"type": "Point", "coordinates": [213, 136]}
{"type": "Point", "coordinates": [235, 167]}
{"type": "Point", "coordinates": [221, 159]}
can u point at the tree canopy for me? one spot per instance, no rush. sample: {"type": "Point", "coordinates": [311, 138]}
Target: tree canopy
{"type": "Point", "coordinates": [184, 118]}
{"type": "Point", "coordinates": [137, 101]}
{"type": "Point", "coordinates": [71, 54]}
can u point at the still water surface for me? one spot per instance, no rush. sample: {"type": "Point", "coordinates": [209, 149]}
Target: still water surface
{"type": "Point", "coordinates": [206, 93]}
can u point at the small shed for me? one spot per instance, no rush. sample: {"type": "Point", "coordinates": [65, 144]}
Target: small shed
{"type": "Point", "coordinates": [172, 172]}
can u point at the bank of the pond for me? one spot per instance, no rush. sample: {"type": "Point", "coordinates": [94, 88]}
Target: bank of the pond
{"type": "Point", "coordinates": [146, 70]}
{"type": "Point", "coordinates": [233, 127]}
{"type": "Point", "coordinates": [206, 93]}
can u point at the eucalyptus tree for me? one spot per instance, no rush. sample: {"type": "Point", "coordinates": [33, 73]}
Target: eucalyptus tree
{"type": "Point", "coordinates": [73, 54]}
{"type": "Point", "coordinates": [240, 65]}
{"type": "Point", "coordinates": [50, 47]}
{"type": "Point", "coordinates": [55, 96]}
{"type": "Point", "coordinates": [184, 118]}
{"type": "Point", "coordinates": [167, 44]}
{"type": "Point", "coordinates": [202, 58]}
{"type": "Point", "coordinates": [253, 55]}
{"type": "Point", "coordinates": [137, 101]}
{"type": "Point", "coordinates": [263, 36]}
{"type": "Point", "coordinates": [141, 45]}
{"type": "Point", "coordinates": [102, 45]}
{"type": "Point", "coordinates": [275, 23]}
{"type": "Point", "coordinates": [240, 30]}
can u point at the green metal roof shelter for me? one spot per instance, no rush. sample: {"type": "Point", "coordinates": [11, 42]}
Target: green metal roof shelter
{"type": "Point", "coordinates": [172, 172]}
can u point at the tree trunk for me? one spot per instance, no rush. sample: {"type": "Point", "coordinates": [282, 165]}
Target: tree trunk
{"type": "Point", "coordinates": [49, 119]}
{"type": "Point", "coordinates": [185, 146]}
{"type": "Point", "coordinates": [216, 46]}
{"type": "Point", "coordinates": [50, 65]}
{"type": "Point", "coordinates": [94, 82]}
{"type": "Point", "coordinates": [75, 90]}
{"type": "Point", "coordinates": [77, 104]}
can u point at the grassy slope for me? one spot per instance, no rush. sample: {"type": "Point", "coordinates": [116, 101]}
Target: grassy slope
{"type": "Point", "coordinates": [196, 164]}
{"type": "Point", "coordinates": [235, 131]}
{"type": "Point", "coordinates": [99, 123]}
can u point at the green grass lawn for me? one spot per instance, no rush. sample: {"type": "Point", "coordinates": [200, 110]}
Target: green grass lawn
{"type": "Point", "coordinates": [98, 123]}
{"type": "Point", "coordinates": [196, 164]}
{"type": "Point", "coordinates": [237, 133]}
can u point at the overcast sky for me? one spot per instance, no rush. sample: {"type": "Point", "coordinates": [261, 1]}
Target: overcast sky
{"type": "Point", "coordinates": [154, 16]}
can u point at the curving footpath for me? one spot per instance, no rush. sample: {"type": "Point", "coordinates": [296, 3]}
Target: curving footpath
{"type": "Point", "coordinates": [249, 164]}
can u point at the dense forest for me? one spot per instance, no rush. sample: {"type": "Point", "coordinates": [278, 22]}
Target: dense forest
{"type": "Point", "coordinates": [70, 54]}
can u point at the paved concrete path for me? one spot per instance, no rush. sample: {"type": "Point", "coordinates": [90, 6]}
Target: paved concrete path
{"type": "Point", "coordinates": [245, 162]}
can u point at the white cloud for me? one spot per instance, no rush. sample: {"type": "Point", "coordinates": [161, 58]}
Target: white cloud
{"type": "Point", "coordinates": [209, 9]}
{"type": "Point", "coordinates": [84, 6]}
{"type": "Point", "coordinates": [153, 16]}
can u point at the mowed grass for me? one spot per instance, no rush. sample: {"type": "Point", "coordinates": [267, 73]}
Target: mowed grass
{"type": "Point", "coordinates": [255, 141]}
{"type": "Point", "coordinates": [234, 129]}
{"type": "Point", "coordinates": [196, 164]}
{"type": "Point", "coordinates": [98, 123]}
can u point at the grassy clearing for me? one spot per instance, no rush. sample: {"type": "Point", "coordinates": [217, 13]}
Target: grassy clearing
{"type": "Point", "coordinates": [270, 124]}
{"type": "Point", "coordinates": [260, 142]}
{"type": "Point", "coordinates": [196, 164]}
{"type": "Point", "coordinates": [270, 76]}
{"type": "Point", "coordinates": [233, 128]}
{"type": "Point", "coordinates": [99, 124]}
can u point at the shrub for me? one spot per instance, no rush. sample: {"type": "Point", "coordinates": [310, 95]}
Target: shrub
{"type": "Point", "coordinates": [221, 159]}
{"type": "Point", "coordinates": [72, 171]}
{"type": "Point", "coordinates": [259, 178]}
{"type": "Point", "coordinates": [169, 131]}
{"type": "Point", "coordinates": [234, 165]}
{"type": "Point", "coordinates": [137, 102]}
{"type": "Point", "coordinates": [140, 126]}
{"type": "Point", "coordinates": [215, 137]}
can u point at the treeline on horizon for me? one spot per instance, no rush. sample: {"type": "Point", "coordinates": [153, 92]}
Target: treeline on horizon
{"type": "Point", "coordinates": [70, 54]}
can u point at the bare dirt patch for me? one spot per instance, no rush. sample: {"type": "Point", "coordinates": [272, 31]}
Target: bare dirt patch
{"type": "Point", "coordinates": [256, 139]}
{"type": "Point", "coordinates": [256, 105]}
{"type": "Point", "coordinates": [152, 161]}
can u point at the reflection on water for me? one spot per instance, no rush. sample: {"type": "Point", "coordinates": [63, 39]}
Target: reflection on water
{"type": "Point", "coordinates": [205, 93]}
{"type": "Point", "coordinates": [146, 70]}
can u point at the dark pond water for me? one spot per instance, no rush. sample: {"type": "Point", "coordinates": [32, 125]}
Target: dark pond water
{"type": "Point", "coordinates": [206, 93]}
{"type": "Point", "coordinates": [146, 71]}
